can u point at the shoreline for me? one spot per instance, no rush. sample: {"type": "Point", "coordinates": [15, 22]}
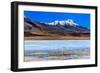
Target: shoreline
{"type": "Point", "coordinates": [56, 38]}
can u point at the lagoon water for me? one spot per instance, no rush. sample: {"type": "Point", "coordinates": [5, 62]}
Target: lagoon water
{"type": "Point", "coordinates": [56, 44]}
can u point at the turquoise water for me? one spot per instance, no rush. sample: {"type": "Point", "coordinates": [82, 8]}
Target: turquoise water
{"type": "Point", "coordinates": [56, 44]}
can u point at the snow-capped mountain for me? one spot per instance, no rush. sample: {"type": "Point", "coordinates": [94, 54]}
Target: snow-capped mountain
{"type": "Point", "coordinates": [64, 22]}
{"type": "Point", "coordinates": [61, 28]}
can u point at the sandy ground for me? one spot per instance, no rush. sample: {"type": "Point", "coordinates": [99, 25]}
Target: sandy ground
{"type": "Point", "coordinates": [56, 38]}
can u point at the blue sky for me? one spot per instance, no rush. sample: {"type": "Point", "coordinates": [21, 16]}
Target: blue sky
{"type": "Point", "coordinates": [46, 17]}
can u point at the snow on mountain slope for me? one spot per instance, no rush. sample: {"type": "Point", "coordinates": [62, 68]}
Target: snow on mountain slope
{"type": "Point", "coordinates": [64, 22]}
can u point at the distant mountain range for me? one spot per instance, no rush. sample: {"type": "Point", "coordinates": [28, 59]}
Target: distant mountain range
{"type": "Point", "coordinates": [56, 28]}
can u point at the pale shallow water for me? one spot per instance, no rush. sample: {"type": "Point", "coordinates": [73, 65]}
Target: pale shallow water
{"type": "Point", "coordinates": [40, 50]}
{"type": "Point", "coordinates": [56, 44]}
